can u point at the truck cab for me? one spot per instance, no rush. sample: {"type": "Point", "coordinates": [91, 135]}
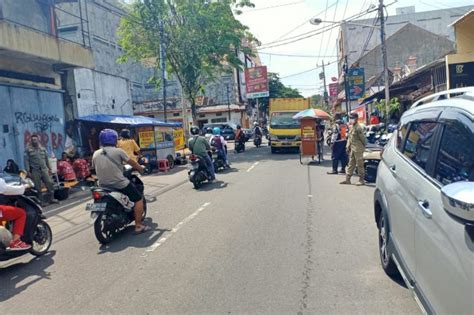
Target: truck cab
{"type": "Point", "coordinates": [284, 131]}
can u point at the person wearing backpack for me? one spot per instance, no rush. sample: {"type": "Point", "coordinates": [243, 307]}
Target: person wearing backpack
{"type": "Point", "coordinates": [338, 145]}
{"type": "Point", "coordinates": [218, 141]}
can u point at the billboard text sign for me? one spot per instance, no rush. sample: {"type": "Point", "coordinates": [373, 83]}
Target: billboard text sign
{"type": "Point", "coordinates": [356, 80]}
{"type": "Point", "coordinates": [256, 82]}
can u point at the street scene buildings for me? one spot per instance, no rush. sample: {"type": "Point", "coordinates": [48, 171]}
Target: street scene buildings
{"type": "Point", "coordinates": [210, 157]}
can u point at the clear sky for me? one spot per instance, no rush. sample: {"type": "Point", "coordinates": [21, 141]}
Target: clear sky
{"type": "Point", "coordinates": [273, 20]}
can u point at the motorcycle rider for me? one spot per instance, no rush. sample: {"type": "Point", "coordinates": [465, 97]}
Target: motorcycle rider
{"type": "Point", "coordinates": [128, 144]}
{"type": "Point", "coordinates": [218, 141]}
{"type": "Point", "coordinates": [108, 162]}
{"type": "Point", "coordinates": [338, 145]}
{"type": "Point", "coordinates": [15, 214]}
{"type": "Point", "coordinates": [257, 129]}
{"type": "Point", "coordinates": [200, 147]}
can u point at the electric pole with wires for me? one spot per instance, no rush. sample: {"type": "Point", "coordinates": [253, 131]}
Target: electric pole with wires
{"type": "Point", "coordinates": [384, 58]}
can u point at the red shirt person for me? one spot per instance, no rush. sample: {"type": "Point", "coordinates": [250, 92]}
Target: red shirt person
{"type": "Point", "coordinates": [15, 214]}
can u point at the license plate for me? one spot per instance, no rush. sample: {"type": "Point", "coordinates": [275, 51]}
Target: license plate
{"type": "Point", "coordinates": [96, 207]}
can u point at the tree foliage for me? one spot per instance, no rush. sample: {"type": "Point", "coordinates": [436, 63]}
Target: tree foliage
{"type": "Point", "coordinates": [202, 38]}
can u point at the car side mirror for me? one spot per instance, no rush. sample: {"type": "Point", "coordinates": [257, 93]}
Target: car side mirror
{"type": "Point", "coordinates": [458, 200]}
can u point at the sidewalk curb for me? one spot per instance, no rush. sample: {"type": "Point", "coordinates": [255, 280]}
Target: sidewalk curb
{"type": "Point", "coordinates": [86, 197]}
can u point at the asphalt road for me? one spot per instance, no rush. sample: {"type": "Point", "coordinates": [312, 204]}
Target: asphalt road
{"type": "Point", "coordinates": [270, 236]}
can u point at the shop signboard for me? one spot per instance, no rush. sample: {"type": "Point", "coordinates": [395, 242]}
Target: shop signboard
{"type": "Point", "coordinates": [356, 82]}
{"type": "Point", "coordinates": [145, 137]}
{"type": "Point", "coordinates": [178, 139]}
{"type": "Point", "coordinates": [256, 82]}
{"type": "Point", "coordinates": [461, 74]}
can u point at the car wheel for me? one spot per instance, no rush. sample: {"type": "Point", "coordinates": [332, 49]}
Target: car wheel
{"type": "Point", "coordinates": [386, 260]}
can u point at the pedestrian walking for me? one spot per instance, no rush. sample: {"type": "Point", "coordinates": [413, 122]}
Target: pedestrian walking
{"type": "Point", "coordinates": [320, 139]}
{"type": "Point", "coordinates": [37, 166]}
{"type": "Point", "coordinates": [338, 145]}
{"type": "Point", "coordinates": [355, 148]}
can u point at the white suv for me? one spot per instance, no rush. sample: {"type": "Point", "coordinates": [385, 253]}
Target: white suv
{"type": "Point", "coordinates": [424, 202]}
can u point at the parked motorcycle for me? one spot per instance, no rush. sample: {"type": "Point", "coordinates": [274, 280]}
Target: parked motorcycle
{"type": "Point", "coordinates": [372, 158]}
{"type": "Point", "coordinates": [112, 211]}
{"type": "Point", "coordinates": [37, 232]}
{"type": "Point", "coordinates": [257, 141]}
{"type": "Point", "coordinates": [198, 172]}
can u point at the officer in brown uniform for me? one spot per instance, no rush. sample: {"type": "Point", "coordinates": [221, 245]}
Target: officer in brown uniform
{"type": "Point", "coordinates": [37, 165]}
{"type": "Point", "coordinates": [355, 149]}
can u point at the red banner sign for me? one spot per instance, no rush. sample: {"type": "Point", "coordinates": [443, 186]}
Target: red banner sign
{"type": "Point", "coordinates": [333, 88]}
{"type": "Point", "coordinates": [256, 82]}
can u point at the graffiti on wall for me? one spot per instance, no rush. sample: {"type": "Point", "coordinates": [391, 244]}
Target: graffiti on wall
{"type": "Point", "coordinates": [43, 125]}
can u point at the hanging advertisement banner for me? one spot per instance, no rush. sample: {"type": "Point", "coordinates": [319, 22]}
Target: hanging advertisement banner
{"type": "Point", "coordinates": [356, 81]}
{"type": "Point", "coordinates": [256, 82]}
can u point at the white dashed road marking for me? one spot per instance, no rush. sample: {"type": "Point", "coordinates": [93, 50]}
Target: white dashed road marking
{"type": "Point", "coordinates": [252, 167]}
{"type": "Point", "coordinates": [178, 226]}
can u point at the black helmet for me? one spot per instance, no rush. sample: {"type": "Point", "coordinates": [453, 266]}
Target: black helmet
{"type": "Point", "coordinates": [238, 127]}
{"type": "Point", "coordinates": [125, 133]}
{"type": "Point", "coordinates": [194, 130]}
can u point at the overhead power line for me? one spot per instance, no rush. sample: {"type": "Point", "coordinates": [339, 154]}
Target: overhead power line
{"type": "Point", "coordinates": [272, 7]}
{"type": "Point", "coordinates": [311, 33]}
{"type": "Point", "coordinates": [295, 55]}
{"type": "Point", "coordinates": [306, 71]}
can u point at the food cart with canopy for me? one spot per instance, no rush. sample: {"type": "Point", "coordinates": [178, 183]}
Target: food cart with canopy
{"type": "Point", "coordinates": [308, 119]}
{"type": "Point", "coordinates": [157, 139]}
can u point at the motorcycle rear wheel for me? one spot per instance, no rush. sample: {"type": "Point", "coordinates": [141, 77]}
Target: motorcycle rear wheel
{"type": "Point", "coordinates": [102, 233]}
{"type": "Point", "coordinates": [42, 239]}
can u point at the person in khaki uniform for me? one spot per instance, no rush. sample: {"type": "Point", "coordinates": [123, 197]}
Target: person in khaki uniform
{"type": "Point", "coordinates": [37, 165]}
{"type": "Point", "coordinates": [355, 149]}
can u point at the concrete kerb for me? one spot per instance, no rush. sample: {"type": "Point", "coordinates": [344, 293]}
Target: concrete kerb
{"type": "Point", "coordinates": [85, 196]}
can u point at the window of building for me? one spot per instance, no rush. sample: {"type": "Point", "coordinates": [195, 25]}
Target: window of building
{"type": "Point", "coordinates": [218, 114]}
{"type": "Point", "coordinates": [455, 160]}
{"type": "Point", "coordinates": [218, 120]}
{"type": "Point", "coordinates": [419, 141]}
{"type": "Point", "coordinates": [175, 114]}
{"type": "Point", "coordinates": [202, 115]}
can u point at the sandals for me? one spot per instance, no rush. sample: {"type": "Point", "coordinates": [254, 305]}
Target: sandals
{"type": "Point", "coordinates": [143, 229]}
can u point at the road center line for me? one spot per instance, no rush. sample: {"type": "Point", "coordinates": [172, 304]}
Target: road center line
{"type": "Point", "coordinates": [252, 167]}
{"type": "Point", "coordinates": [178, 226]}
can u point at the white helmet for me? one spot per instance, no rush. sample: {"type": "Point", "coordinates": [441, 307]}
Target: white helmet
{"type": "Point", "coordinates": [255, 124]}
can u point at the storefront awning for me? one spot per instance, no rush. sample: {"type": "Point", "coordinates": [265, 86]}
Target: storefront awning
{"type": "Point", "coordinates": [132, 121]}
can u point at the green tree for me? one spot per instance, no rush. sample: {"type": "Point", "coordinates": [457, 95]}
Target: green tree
{"type": "Point", "coordinates": [317, 101]}
{"type": "Point", "coordinates": [202, 38]}
{"type": "Point", "coordinates": [277, 90]}
{"type": "Point", "coordinates": [393, 108]}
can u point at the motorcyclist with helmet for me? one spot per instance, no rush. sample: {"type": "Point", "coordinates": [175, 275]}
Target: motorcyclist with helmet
{"type": "Point", "coordinates": [218, 141]}
{"type": "Point", "coordinates": [257, 129]}
{"type": "Point", "coordinates": [128, 144]}
{"type": "Point", "coordinates": [108, 162]}
{"type": "Point", "coordinates": [200, 147]}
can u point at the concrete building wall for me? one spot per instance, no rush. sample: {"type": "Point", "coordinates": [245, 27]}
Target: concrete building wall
{"type": "Point", "coordinates": [410, 41]}
{"type": "Point", "coordinates": [100, 93]}
{"type": "Point", "coordinates": [464, 35]}
{"type": "Point", "coordinates": [352, 37]}
{"type": "Point", "coordinates": [31, 13]}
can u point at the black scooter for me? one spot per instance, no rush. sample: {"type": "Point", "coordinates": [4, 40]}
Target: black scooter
{"type": "Point", "coordinates": [240, 145]}
{"type": "Point", "coordinates": [112, 211]}
{"type": "Point", "coordinates": [37, 232]}
{"type": "Point", "coordinates": [257, 141]}
{"type": "Point", "coordinates": [198, 172]}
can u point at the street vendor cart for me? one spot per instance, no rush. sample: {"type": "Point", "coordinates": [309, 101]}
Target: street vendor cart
{"type": "Point", "coordinates": [309, 145]}
{"type": "Point", "coordinates": [156, 138]}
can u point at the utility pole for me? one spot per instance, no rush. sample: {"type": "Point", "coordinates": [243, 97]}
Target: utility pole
{"type": "Point", "coordinates": [228, 99]}
{"type": "Point", "coordinates": [384, 57]}
{"type": "Point", "coordinates": [325, 92]}
{"type": "Point", "coordinates": [346, 85]}
{"type": "Point", "coordinates": [163, 66]}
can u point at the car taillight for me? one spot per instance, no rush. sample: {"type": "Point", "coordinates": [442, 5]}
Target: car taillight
{"type": "Point", "coordinates": [97, 195]}
{"type": "Point", "coordinates": [193, 157]}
